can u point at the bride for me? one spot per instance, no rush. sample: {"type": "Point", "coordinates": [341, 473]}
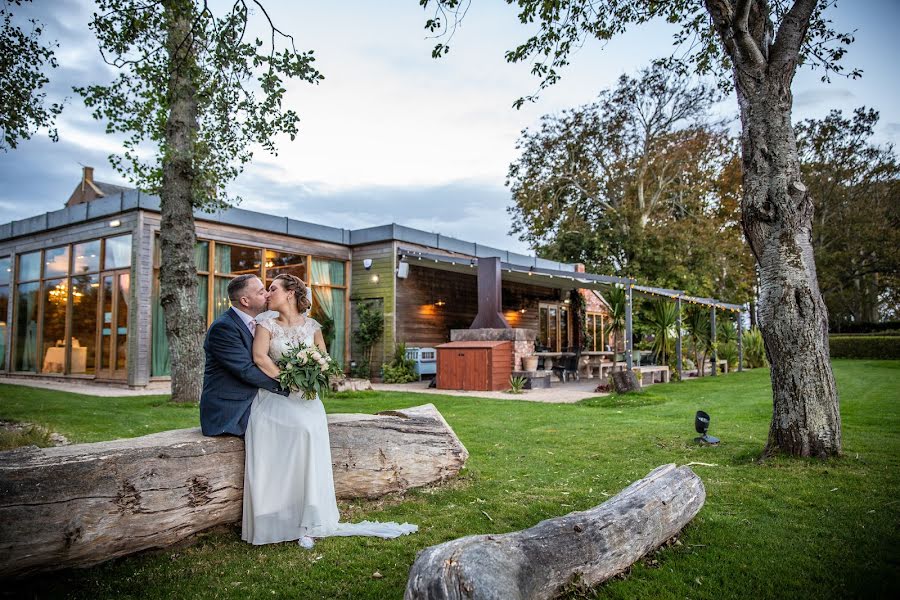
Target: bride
{"type": "Point", "coordinates": [288, 481]}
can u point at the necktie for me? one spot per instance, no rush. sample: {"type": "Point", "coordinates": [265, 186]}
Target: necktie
{"type": "Point", "coordinates": [252, 326]}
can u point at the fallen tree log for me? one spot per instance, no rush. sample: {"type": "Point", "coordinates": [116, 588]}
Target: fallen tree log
{"type": "Point", "coordinates": [590, 546]}
{"type": "Point", "coordinates": [84, 504]}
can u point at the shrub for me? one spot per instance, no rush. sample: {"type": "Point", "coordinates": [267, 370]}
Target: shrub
{"type": "Point", "coordinates": [368, 332]}
{"type": "Point", "coordinates": [881, 328]}
{"type": "Point", "coordinates": [516, 384]}
{"type": "Point", "coordinates": [865, 346]}
{"type": "Point", "coordinates": [729, 351]}
{"type": "Point", "coordinates": [400, 369]}
{"type": "Point", "coordinates": [754, 349]}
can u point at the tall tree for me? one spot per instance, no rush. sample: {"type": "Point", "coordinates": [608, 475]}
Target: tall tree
{"type": "Point", "coordinates": [756, 47]}
{"type": "Point", "coordinates": [194, 89]}
{"type": "Point", "coordinates": [24, 59]}
{"type": "Point", "coordinates": [641, 183]}
{"type": "Point", "coordinates": [855, 185]}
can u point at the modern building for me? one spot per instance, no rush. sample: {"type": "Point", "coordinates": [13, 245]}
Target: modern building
{"type": "Point", "coordinates": [79, 287]}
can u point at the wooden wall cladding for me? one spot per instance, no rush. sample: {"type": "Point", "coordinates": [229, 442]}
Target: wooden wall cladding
{"type": "Point", "coordinates": [421, 323]}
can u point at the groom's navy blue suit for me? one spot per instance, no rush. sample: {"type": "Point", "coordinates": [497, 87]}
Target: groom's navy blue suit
{"type": "Point", "coordinates": [231, 379]}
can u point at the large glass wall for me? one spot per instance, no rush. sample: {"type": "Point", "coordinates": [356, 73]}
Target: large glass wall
{"type": "Point", "coordinates": [58, 314]}
{"type": "Point", "coordinates": [28, 290]}
{"type": "Point", "coordinates": [327, 279]}
{"type": "Point", "coordinates": [5, 277]}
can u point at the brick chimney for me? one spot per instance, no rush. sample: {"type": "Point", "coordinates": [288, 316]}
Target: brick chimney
{"type": "Point", "coordinates": [86, 190]}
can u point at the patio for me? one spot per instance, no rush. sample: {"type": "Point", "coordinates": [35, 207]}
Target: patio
{"type": "Point", "coordinates": [569, 392]}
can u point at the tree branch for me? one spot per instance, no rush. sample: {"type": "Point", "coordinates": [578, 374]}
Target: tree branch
{"type": "Point", "coordinates": [789, 38]}
{"type": "Point", "coordinates": [750, 51]}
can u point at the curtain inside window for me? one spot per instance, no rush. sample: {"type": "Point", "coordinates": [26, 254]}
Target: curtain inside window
{"type": "Point", "coordinates": [160, 363]}
{"type": "Point", "coordinates": [329, 303]}
{"type": "Point", "coordinates": [159, 355]}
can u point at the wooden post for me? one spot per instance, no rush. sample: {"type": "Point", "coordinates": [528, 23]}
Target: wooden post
{"type": "Point", "coordinates": [740, 333]}
{"type": "Point", "coordinates": [713, 354]}
{"type": "Point", "coordinates": [629, 332]}
{"type": "Point", "coordinates": [678, 363]}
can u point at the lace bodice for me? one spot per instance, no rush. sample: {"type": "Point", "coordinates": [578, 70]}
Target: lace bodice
{"type": "Point", "coordinates": [282, 337]}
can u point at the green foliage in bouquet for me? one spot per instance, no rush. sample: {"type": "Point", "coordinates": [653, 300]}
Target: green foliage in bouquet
{"type": "Point", "coordinates": [306, 369]}
{"type": "Point", "coordinates": [400, 369]}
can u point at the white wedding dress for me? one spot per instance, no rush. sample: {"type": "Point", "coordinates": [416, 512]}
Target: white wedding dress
{"type": "Point", "coordinates": [288, 481]}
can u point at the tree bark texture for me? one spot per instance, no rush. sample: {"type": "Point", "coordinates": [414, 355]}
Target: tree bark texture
{"type": "Point", "coordinates": [588, 547]}
{"type": "Point", "coordinates": [178, 272]}
{"type": "Point", "coordinates": [76, 506]}
{"type": "Point", "coordinates": [777, 214]}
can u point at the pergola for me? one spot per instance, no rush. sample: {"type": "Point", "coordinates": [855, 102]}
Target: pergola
{"type": "Point", "coordinates": [489, 267]}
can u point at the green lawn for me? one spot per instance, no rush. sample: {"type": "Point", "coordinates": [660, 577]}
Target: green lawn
{"type": "Point", "coordinates": [780, 529]}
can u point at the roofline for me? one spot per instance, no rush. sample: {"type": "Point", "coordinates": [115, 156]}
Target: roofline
{"type": "Point", "coordinates": [132, 199]}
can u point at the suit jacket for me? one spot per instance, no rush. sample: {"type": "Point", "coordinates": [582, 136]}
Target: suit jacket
{"type": "Point", "coordinates": [231, 379]}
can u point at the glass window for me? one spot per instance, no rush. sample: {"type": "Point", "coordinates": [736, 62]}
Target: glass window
{"type": "Point", "coordinates": [85, 293]}
{"type": "Point", "coordinates": [565, 345]}
{"type": "Point", "coordinates": [56, 262]}
{"type": "Point", "coordinates": [30, 266]}
{"type": "Point", "coordinates": [118, 252]}
{"type": "Point", "coordinates": [221, 303]}
{"type": "Point", "coordinates": [53, 350]}
{"type": "Point", "coordinates": [86, 257]}
{"type": "Point", "coordinates": [4, 328]}
{"type": "Point", "coordinates": [201, 256]}
{"type": "Point", "coordinates": [5, 270]}
{"type": "Point", "coordinates": [27, 296]}
{"type": "Point", "coordinates": [238, 260]}
{"type": "Point", "coordinates": [278, 263]}
{"type": "Point", "coordinates": [160, 364]}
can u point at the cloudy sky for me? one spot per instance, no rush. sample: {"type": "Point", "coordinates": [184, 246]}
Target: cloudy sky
{"type": "Point", "coordinates": [392, 135]}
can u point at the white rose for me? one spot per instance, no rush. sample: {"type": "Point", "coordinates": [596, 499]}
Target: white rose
{"type": "Point", "coordinates": [323, 367]}
{"type": "Point", "coordinates": [315, 354]}
{"type": "Point", "coordinates": [322, 361]}
{"type": "Point", "coordinates": [301, 359]}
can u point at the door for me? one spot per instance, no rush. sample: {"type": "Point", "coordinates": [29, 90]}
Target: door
{"type": "Point", "coordinates": [476, 368]}
{"type": "Point", "coordinates": [115, 296]}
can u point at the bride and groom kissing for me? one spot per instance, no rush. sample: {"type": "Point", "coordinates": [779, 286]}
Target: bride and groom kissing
{"type": "Point", "coordinates": [288, 480]}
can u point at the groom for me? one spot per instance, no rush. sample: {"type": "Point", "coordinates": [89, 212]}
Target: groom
{"type": "Point", "coordinates": [231, 379]}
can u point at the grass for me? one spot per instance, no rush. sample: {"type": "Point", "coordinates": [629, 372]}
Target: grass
{"type": "Point", "coordinates": [783, 528]}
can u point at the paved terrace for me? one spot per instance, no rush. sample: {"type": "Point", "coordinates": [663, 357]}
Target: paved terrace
{"type": "Point", "coordinates": [560, 393]}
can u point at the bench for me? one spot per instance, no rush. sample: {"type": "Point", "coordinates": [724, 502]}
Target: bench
{"type": "Point", "coordinates": [651, 375]}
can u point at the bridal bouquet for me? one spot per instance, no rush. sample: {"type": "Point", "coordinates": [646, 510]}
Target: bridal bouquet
{"type": "Point", "coordinates": [306, 369]}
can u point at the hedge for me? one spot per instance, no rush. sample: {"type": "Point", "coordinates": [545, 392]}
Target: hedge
{"type": "Point", "coordinates": [865, 346]}
{"type": "Point", "coordinates": [858, 328]}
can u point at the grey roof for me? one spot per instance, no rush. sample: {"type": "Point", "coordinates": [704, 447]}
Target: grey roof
{"type": "Point", "coordinates": [111, 189]}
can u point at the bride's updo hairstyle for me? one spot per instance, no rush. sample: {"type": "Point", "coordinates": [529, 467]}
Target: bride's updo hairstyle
{"type": "Point", "coordinates": [292, 283]}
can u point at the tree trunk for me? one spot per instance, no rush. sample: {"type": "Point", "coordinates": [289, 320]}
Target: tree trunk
{"type": "Point", "coordinates": [178, 272]}
{"type": "Point", "coordinates": [76, 506]}
{"type": "Point", "coordinates": [777, 212]}
{"type": "Point", "coordinates": [584, 548]}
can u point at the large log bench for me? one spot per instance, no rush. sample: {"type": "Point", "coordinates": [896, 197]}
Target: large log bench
{"type": "Point", "coordinates": [540, 562]}
{"type": "Point", "coordinates": [84, 504]}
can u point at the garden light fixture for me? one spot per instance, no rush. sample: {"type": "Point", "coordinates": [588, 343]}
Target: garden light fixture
{"type": "Point", "coordinates": [701, 423]}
